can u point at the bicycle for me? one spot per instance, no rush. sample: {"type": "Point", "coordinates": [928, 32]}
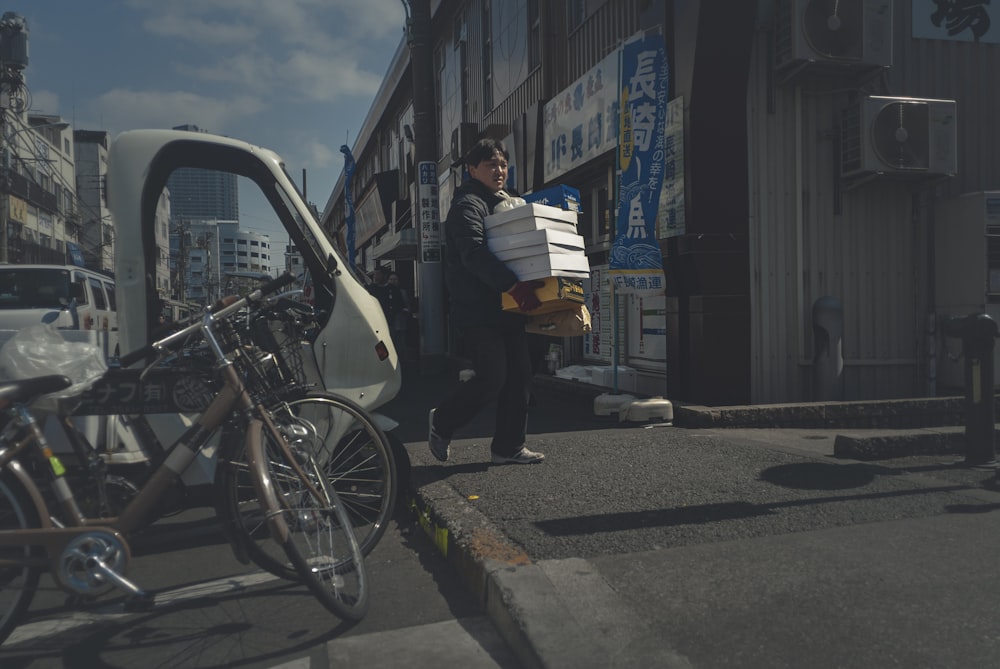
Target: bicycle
{"type": "Point", "coordinates": [352, 451]}
{"type": "Point", "coordinates": [350, 448]}
{"type": "Point", "coordinates": [43, 529]}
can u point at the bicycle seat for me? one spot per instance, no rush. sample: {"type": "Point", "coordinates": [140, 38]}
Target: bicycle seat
{"type": "Point", "coordinates": [25, 390]}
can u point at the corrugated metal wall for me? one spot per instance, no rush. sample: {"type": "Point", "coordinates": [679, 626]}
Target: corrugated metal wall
{"type": "Point", "coordinates": [867, 246]}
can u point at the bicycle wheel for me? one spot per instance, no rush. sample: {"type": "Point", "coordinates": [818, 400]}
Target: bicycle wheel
{"type": "Point", "coordinates": [348, 447]}
{"type": "Point", "coordinates": [17, 582]}
{"type": "Point", "coordinates": [308, 520]}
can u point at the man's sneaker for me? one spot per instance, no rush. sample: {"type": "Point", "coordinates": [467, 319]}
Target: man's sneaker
{"type": "Point", "coordinates": [438, 444]}
{"type": "Point", "coordinates": [522, 457]}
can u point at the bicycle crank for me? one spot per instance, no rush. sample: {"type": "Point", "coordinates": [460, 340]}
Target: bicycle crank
{"type": "Point", "coordinates": [94, 562]}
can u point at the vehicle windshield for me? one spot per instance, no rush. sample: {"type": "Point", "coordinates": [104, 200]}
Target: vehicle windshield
{"type": "Point", "coordinates": [22, 288]}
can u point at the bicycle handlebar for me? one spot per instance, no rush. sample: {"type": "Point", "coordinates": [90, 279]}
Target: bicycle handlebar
{"type": "Point", "coordinates": [208, 317]}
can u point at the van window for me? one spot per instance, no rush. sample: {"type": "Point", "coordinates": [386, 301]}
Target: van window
{"type": "Point", "coordinates": [110, 287]}
{"type": "Point", "coordinates": [83, 299]}
{"type": "Point", "coordinates": [100, 302]}
{"type": "Point", "coordinates": [22, 288]}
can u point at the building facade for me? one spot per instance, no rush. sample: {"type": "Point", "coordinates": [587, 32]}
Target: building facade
{"type": "Point", "coordinates": [39, 217]}
{"type": "Point", "coordinates": [211, 259]}
{"type": "Point", "coordinates": [833, 183]}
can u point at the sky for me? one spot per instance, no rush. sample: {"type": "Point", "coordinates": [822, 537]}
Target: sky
{"type": "Point", "coordinates": [294, 76]}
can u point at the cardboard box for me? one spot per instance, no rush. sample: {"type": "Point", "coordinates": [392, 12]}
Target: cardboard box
{"type": "Point", "coordinates": [546, 265]}
{"type": "Point", "coordinates": [535, 242]}
{"type": "Point", "coordinates": [564, 197]}
{"type": "Point", "coordinates": [529, 217]}
{"type": "Point", "coordinates": [556, 294]}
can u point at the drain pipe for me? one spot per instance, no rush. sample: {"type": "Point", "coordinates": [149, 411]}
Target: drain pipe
{"type": "Point", "coordinates": [799, 215]}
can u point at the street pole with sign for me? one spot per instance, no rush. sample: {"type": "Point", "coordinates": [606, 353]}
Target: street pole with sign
{"type": "Point", "coordinates": [430, 273]}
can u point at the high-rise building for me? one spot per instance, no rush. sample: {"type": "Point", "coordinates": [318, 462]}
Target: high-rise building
{"type": "Point", "coordinates": [203, 194]}
{"type": "Point", "coordinates": [96, 232]}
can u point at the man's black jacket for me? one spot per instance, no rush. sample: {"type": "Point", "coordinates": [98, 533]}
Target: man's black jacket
{"type": "Point", "coordinates": [475, 277]}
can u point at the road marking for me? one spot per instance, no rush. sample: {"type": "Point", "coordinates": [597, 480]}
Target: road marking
{"type": "Point", "coordinates": [114, 612]}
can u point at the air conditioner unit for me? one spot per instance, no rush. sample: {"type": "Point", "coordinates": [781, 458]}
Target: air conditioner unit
{"type": "Point", "coordinates": [903, 136]}
{"type": "Point", "coordinates": [832, 36]}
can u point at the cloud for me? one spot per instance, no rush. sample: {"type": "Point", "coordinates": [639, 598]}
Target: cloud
{"type": "Point", "coordinates": [123, 109]}
{"type": "Point", "coordinates": [45, 102]}
{"type": "Point", "coordinates": [198, 30]}
{"type": "Point", "coordinates": [290, 22]}
{"type": "Point", "coordinates": [318, 155]}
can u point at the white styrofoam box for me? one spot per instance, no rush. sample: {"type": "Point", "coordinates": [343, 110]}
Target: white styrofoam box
{"type": "Point", "coordinates": [535, 250]}
{"type": "Point", "coordinates": [609, 404]}
{"type": "Point", "coordinates": [541, 266]}
{"type": "Point", "coordinates": [574, 373]}
{"type": "Point", "coordinates": [645, 410]}
{"type": "Point", "coordinates": [519, 225]}
{"type": "Point", "coordinates": [535, 242]}
{"type": "Point", "coordinates": [604, 376]}
{"type": "Point", "coordinates": [530, 217]}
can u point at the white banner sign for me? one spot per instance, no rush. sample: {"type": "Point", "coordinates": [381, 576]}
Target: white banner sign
{"type": "Point", "coordinates": [581, 123]}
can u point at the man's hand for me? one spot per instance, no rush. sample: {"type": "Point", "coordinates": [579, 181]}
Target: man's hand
{"type": "Point", "coordinates": [523, 293]}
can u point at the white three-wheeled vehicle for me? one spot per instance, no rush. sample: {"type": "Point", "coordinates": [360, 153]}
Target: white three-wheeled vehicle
{"type": "Point", "coordinates": [354, 352]}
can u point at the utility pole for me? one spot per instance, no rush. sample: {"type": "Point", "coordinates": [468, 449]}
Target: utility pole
{"type": "Point", "coordinates": [426, 214]}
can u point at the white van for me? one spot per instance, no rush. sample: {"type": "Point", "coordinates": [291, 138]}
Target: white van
{"type": "Point", "coordinates": [71, 298]}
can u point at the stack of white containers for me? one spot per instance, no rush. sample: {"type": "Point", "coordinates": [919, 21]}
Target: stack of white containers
{"type": "Point", "coordinates": [537, 241]}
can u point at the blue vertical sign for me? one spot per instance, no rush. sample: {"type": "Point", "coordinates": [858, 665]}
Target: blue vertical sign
{"type": "Point", "coordinates": [349, 203]}
{"type": "Point", "coordinates": [427, 209]}
{"type": "Point", "coordinates": [636, 265]}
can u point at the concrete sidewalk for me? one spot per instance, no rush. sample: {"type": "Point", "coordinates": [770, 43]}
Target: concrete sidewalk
{"type": "Point", "coordinates": [714, 546]}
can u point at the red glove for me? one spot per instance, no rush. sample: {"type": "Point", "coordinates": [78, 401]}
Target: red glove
{"type": "Point", "coordinates": [523, 293]}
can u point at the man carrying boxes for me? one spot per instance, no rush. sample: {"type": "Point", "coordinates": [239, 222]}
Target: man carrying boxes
{"type": "Point", "coordinates": [493, 340]}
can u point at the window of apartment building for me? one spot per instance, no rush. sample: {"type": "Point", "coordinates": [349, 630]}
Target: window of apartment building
{"type": "Point", "coordinates": [461, 55]}
{"type": "Point", "coordinates": [487, 37]}
{"type": "Point", "coordinates": [534, 35]}
{"type": "Point", "coordinates": [509, 27]}
{"type": "Point", "coordinates": [577, 12]}
{"type": "Point", "coordinates": [44, 241]}
{"type": "Point", "coordinates": [254, 242]}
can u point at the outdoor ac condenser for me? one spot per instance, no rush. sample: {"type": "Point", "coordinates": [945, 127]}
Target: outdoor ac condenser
{"type": "Point", "coordinates": [901, 136]}
{"type": "Point", "coordinates": [830, 35]}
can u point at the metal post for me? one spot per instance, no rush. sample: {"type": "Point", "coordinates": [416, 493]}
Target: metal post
{"type": "Point", "coordinates": [978, 333]}
{"type": "Point", "coordinates": [4, 190]}
{"type": "Point", "coordinates": [429, 268]}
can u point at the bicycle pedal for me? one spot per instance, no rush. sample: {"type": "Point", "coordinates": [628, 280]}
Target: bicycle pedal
{"type": "Point", "coordinates": [140, 603]}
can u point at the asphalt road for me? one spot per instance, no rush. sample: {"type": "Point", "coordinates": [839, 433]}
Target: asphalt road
{"type": "Point", "coordinates": [214, 612]}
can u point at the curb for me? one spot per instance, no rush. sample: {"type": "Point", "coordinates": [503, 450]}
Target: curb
{"type": "Point", "coordinates": [483, 558]}
{"type": "Point", "coordinates": [878, 445]}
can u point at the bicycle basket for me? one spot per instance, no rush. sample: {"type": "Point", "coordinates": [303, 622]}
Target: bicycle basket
{"type": "Point", "coordinates": [279, 366]}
